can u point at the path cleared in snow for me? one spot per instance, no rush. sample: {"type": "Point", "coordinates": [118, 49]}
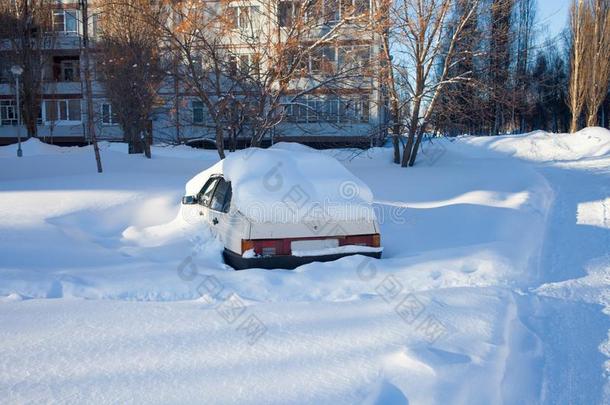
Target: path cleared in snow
{"type": "Point", "coordinates": [496, 261]}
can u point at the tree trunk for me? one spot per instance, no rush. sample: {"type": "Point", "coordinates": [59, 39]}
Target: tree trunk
{"type": "Point", "coordinates": [420, 135]}
{"type": "Point", "coordinates": [574, 123]}
{"type": "Point", "coordinates": [396, 144]}
{"type": "Point", "coordinates": [147, 139]}
{"type": "Point", "coordinates": [406, 153]}
{"type": "Point", "coordinates": [413, 127]}
{"type": "Point", "coordinates": [592, 118]}
{"type": "Point", "coordinates": [147, 151]}
{"type": "Point", "coordinates": [396, 129]}
{"type": "Point", "coordinates": [134, 141]}
{"type": "Point", "coordinates": [220, 144]}
{"type": "Point", "coordinates": [88, 86]}
{"type": "Point", "coordinates": [29, 94]}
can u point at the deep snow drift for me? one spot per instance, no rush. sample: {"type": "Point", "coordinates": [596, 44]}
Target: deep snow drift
{"type": "Point", "coordinates": [496, 259]}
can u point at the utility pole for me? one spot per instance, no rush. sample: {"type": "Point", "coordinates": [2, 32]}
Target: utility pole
{"type": "Point", "coordinates": [88, 87]}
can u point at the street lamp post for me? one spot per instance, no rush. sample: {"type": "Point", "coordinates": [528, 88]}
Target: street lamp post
{"type": "Point", "coordinates": [18, 71]}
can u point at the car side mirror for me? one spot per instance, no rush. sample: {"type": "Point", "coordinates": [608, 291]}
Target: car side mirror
{"type": "Point", "coordinates": [189, 200]}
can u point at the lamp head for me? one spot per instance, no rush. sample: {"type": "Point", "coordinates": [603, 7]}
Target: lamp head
{"type": "Point", "coordinates": [17, 70]}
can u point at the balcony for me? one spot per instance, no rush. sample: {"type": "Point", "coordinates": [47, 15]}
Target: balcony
{"type": "Point", "coordinates": [53, 87]}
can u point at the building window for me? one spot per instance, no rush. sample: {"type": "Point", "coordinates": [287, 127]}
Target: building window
{"type": "Point", "coordinates": [65, 69]}
{"type": "Point", "coordinates": [332, 109]}
{"type": "Point", "coordinates": [297, 63]}
{"type": "Point", "coordinates": [8, 113]}
{"type": "Point", "coordinates": [288, 12]}
{"type": "Point", "coordinates": [332, 11]}
{"type": "Point", "coordinates": [65, 21]}
{"type": "Point", "coordinates": [348, 59]}
{"type": "Point", "coordinates": [69, 71]}
{"type": "Point", "coordinates": [307, 110]}
{"type": "Point", "coordinates": [198, 112]}
{"type": "Point", "coordinates": [242, 17]}
{"type": "Point", "coordinates": [62, 111]}
{"type": "Point", "coordinates": [324, 60]}
{"type": "Point", "coordinates": [362, 110]}
{"type": "Point", "coordinates": [297, 111]}
{"type": "Point", "coordinates": [354, 59]}
{"type": "Point", "coordinates": [248, 64]}
{"type": "Point", "coordinates": [5, 72]}
{"type": "Point", "coordinates": [96, 27]}
{"type": "Point", "coordinates": [329, 109]}
{"type": "Point", "coordinates": [362, 6]}
{"type": "Point", "coordinates": [314, 10]}
{"type": "Point", "coordinates": [108, 117]}
{"type": "Point", "coordinates": [354, 7]}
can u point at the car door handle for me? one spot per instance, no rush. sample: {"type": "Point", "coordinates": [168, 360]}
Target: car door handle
{"type": "Point", "coordinates": [215, 221]}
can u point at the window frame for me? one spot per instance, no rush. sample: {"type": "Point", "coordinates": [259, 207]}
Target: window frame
{"type": "Point", "coordinates": [341, 7]}
{"type": "Point", "coordinates": [213, 178]}
{"type": "Point", "coordinates": [5, 107]}
{"type": "Point", "coordinates": [287, 12]}
{"type": "Point", "coordinates": [112, 118]}
{"type": "Point", "coordinates": [58, 111]}
{"type": "Point", "coordinates": [64, 24]}
{"type": "Point", "coordinates": [237, 22]}
{"type": "Point", "coordinates": [69, 64]}
{"type": "Point", "coordinates": [324, 60]}
{"type": "Point", "coordinates": [200, 106]}
{"type": "Point", "coordinates": [355, 58]}
{"type": "Point", "coordinates": [330, 109]}
{"type": "Point", "coordinates": [228, 194]}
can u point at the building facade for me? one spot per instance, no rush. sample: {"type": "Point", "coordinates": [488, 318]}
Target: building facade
{"type": "Point", "coordinates": [350, 111]}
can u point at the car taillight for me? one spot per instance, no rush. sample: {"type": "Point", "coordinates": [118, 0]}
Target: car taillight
{"type": "Point", "coordinates": [266, 247]}
{"type": "Point", "coordinates": [373, 240]}
{"type": "Point", "coordinates": [246, 245]}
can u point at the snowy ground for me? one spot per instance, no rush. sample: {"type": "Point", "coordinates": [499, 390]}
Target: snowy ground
{"type": "Point", "coordinates": [494, 286]}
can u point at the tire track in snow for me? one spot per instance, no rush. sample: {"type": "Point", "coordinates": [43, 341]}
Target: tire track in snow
{"type": "Point", "coordinates": [570, 289]}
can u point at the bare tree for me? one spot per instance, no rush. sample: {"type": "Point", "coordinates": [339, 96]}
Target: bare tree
{"type": "Point", "coordinates": [599, 59]}
{"type": "Point", "coordinates": [193, 33]}
{"type": "Point", "coordinates": [26, 28]}
{"type": "Point", "coordinates": [300, 55]}
{"type": "Point", "coordinates": [499, 63]}
{"type": "Point", "coordinates": [459, 106]}
{"type": "Point", "coordinates": [419, 30]}
{"type": "Point", "coordinates": [88, 86]}
{"type": "Point", "coordinates": [248, 64]}
{"type": "Point", "coordinates": [524, 37]}
{"type": "Point", "coordinates": [578, 60]}
{"type": "Point", "coordinates": [131, 67]}
{"type": "Point", "coordinates": [388, 72]}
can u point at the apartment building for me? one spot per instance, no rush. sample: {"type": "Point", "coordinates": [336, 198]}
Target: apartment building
{"type": "Point", "coordinates": [348, 111]}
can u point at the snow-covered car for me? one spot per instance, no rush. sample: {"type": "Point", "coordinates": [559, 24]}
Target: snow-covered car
{"type": "Point", "coordinates": [284, 206]}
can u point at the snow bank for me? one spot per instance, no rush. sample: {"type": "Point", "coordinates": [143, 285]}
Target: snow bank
{"type": "Point", "coordinates": [544, 146]}
{"type": "Point", "coordinates": [290, 182]}
{"type": "Point", "coordinates": [33, 147]}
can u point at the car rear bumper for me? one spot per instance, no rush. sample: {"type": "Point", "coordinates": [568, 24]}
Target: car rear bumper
{"type": "Point", "coordinates": [284, 262]}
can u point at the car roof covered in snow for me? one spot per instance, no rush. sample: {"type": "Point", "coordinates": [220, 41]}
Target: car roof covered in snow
{"type": "Point", "coordinates": [289, 182]}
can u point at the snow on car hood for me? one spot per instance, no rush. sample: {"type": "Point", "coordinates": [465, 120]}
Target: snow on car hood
{"type": "Point", "coordinates": [290, 183]}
